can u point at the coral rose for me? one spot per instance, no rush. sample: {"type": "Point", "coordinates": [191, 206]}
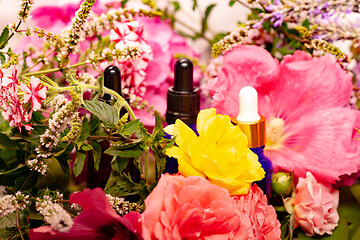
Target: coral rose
{"type": "Point", "coordinates": [190, 208]}
{"type": "Point", "coordinates": [264, 223]}
{"type": "Point", "coordinates": [219, 153]}
{"type": "Point", "coordinates": [315, 206]}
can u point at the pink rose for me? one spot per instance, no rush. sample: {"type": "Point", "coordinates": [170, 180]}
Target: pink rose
{"type": "Point", "coordinates": [264, 224]}
{"type": "Point", "coordinates": [190, 208]}
{"type": "Point", "coordinates": [315, 206]}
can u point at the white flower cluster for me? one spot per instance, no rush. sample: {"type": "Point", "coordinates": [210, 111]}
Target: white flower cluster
{"type": "Point", "coordinates": [54, 214]}
{"type": "Point", "coordinates": [117, 203]}
{"type": "Point", "coordinates": [58, 102]}
{"type": "Point", "coordinates": [11, 203]}
{"type": "Point", "coordinates": [56, 124]}
{"type": "Point", "coordinates": [37, 165]}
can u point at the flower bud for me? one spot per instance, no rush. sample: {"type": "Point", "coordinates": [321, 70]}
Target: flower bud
{"type": "Point", "coordinates": [282, 183]}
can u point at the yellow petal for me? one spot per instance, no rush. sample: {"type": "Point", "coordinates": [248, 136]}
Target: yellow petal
{"type": "Point", "coordinates": [183, 133]}
{"type": "Point", "coordinates": [203, 117]}
{"type": "Point", "coordinates": [187, 169]}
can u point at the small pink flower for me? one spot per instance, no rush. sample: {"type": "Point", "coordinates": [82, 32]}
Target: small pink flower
{"type": "Point", "coordinates": [264, 223]}
{"type": "Point", "coordinates": [97, 221]}
{"type": "Point", "coordinates": [189, 208]}
{"type": "Point", "coordinates": [35, 93]}
{"type": "Point", "coordinates": [315, 206]}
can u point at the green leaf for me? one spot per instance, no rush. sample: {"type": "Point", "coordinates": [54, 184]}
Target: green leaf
{"type": "Point", "coordinates": [2, 58]}
{"type": "Point", "coordinates": [85, 129]}
{"type": "Point", "coordinates": [7, 143]}
{"type": "Point", "coordinates": [119, 164]}
{"type": "Point", "coordinates": [94, 124]}
{"type": "Point", "coordinates": [106, 113]}
{"type": "Point", "coordinates": [176, 5]}
{"type": "Point", "coordinates": [79, 163]}
{"type": "Point", "coordinates": [96, 151]}
{"type": "Point", "coordinates": [231, 3]}
{"type": "Point", "coordinates": [130, 127]}
{"type": "Point", "coordinates": [134, 151]}
{"type": "Point", "coordinates": [207, 13]}
{"type": "Point", "coordinates": [355, 190]}
{"type": "Point", "coordinates": [4, 35]}
{"type": "Point", "coordinates": [8, 178]}
{"type": "Point", "coordinates": [306, 23]}
{"type": "Point", "coordinates": [86, 147]}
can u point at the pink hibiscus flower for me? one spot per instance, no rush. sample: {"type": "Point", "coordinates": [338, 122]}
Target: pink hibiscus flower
{"type": "Point", "coordinates": [97, 221]}
{"type": "Point", "coordinates": [34, 93]}
{"type": "Point", "coordinates": [303, 99]}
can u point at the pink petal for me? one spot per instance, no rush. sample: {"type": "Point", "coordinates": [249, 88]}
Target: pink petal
{"type": "Point", "coordinates": [308, 84]}
{"type": "Point", "coordinates": [315, 144]}
{"type": "Point", "coordinates": [244, 65]}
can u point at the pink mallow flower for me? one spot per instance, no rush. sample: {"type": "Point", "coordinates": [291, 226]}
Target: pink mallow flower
{"type": "Point", "coordinates": [97, 221]}
{"type": "Point", "coordinates": [193, 208]}
{"type": "Point", "coordinates": [303, 99]}
{"type": "Point", "coordinates": [34, 93]}
{"type": "Point", "coordinates": [314, 206]}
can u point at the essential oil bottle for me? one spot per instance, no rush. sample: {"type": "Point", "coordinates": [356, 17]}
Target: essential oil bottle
{"type": "Point", "coordinates": [183, 102]}
{"type": "Point", "coordinates": [253, 126]}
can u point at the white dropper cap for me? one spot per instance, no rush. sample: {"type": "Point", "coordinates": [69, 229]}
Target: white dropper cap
{"type": "Point", "coordinates": [248, 105]}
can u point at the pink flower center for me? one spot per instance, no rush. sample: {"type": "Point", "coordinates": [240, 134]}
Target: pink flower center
{"type": "Point", "coordinates": [274, 133]}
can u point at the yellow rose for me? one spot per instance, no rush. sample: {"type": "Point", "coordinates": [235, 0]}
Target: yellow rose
{"type": "Point", "coordinates": [219, 154]}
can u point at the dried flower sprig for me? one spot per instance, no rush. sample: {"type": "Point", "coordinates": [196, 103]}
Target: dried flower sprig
{"type": "Point", "coordinates": [319, 44]}
{"type": "Point", "coordinates": [228, 42]}
{"type": "Point", "coordinates": [24, 10]}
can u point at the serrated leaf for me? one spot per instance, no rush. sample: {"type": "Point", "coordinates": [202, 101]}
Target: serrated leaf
{"type": "Point", "coordinates": [85, 129]}
{"type": "Point", "coordinates": [207, 14]}
{"type": "Point", "coordinates": [130, 127]}
{"type": "Point", "coordinates": [134, 151]}
{"type": "Point", "coordinates": [119, 164]}
{"type": "Point", "coordinates": [96, 151]}
{"type": "Point", "coordinates": [79, 163]}
{"type": "Point", "coordinates": [94, 124]}
{"type": "Point", "coordinates": [7, 143]}
{"type": "Point", "coordinates": [4, 35]}
{"type": "Point", "coordinates": [106, 113]}
{"type": "Point", "coordinates": [86, 147]}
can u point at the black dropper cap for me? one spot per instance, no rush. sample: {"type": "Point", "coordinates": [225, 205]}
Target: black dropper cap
{"type": "Point", "coordinates": [112, 80]}
{"type": "Point", "coordinates": [183, 99]}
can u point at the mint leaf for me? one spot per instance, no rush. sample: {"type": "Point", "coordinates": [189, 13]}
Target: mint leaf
{"type": "Point", "coordinates": [106, 113]}
{"type": "Point", "coordinates": [79, 163]}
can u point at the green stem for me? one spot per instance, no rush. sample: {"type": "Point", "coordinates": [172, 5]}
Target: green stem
{"type": "Point", "coordinates": [35, 64]}
{"type": "Point", "coordinates": [56, 69]}
{"type": "Point", "coordinates": [16, 28]}
{"type": "Point", "coordinates": [146, 170]}
{"type": "Point", "coordinates": [106, 90]}
{"type": "Point", "coordinates": [18, 224]}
